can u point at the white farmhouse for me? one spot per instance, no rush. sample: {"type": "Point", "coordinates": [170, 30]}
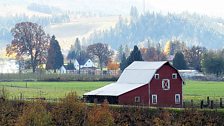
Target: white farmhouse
{"type": "Point", "coordinates": [62, 70]}
{"type": "Point", "coordinates": [83, 64]}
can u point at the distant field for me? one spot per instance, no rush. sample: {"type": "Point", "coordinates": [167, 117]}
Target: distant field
{"type": "Point", "coordinates": [195, 90]}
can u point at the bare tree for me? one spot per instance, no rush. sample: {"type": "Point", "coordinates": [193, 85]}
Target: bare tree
{"type": "Point", "coordinates": [29, 39]}
{"type": "Point", "coordinates": [101, 51]}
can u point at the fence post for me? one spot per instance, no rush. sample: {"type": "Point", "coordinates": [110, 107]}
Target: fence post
{"type": "Point", "coordinates": [221, 103]}
{"type": "Point", "coordinates": [202, 104]}
{"type": "Point", "coordinates": [212, 104]}
{"type": "Point", "coordinates": [192, 103]}
{"type": "Point", "coordinates": [208, 101]}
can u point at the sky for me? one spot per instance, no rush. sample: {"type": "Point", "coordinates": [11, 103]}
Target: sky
{"type": "Point", "coordinates": [122, 7]}
{"type": "Point", "coordinates": [207, 7]}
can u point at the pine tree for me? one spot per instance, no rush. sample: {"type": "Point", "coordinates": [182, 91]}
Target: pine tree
{"type": "Point", "coordinates": [179, 61]}
{"type": "Point", "coordinates": [75, 50]}
{"type": "Point", "coordinates": [120, 53]}
{"type": "Point", "coordinates": [55, 58]}
{"type": "Point", "coordinates": [134, 56]}
{"type": "Point", "coordinates": [123, 63]}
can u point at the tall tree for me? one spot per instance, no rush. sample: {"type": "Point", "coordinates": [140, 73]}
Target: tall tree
{"type": "Point", "coordinates": [101, 51]}
{"type": "Point", "coordinates": [123, 63]}
{"type": "Point", "coordinates": [179, 61]}
{"type": "Point", "coordinates": [134, 56]}
{"type": "Point", "coordinates": [213, 62]}
{"type": "Point", "coordinates": [75, 50]}
{"type": "Point", "coordinates": [134, 14]}
{"type": "Point", "coordinates": [194, 56]}
{"type": "Point", "coordinates": [55, 58]}
{"type": "Point", "coordinates": [77, 45]}
{"type": "Point", "coordinates": [29, 39]}
{"type": "Point", "coordinates": [126, 51]}
{"type": "Point", "coordinates": [120, 53]}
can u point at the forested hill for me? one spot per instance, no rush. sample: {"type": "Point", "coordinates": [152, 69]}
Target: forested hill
{"type": "Point", "coordinates": [191, 28]}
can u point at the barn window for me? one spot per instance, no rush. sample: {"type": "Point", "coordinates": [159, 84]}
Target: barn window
{"type": "Point", "coordinates": [137, 99]}
{"type": "Point", "coordinates": [177, 98]}
{"type": "Point", "coordinates": [174, 76]}
{"type": "Point", "coordinates": [154, 99]}
{"type": "Point", "coordinates": [156, 76]}
{"type": "Point", "coordinates": [166, 84]}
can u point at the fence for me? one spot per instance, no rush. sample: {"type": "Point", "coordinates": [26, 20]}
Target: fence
{"type": "Point", "coordinates": [59, 77]}
{"type": "Point", "coordinates": [208, 103]}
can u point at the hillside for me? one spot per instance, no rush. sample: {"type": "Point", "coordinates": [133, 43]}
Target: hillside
{"type": "Point", "coordinates": [191, 28]}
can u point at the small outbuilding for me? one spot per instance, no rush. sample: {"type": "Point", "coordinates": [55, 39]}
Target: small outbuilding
{"type": "Point", "coordinates": [143, 83]}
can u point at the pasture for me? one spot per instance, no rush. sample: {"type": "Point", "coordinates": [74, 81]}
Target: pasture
{"type": "Point", "coordinates": [196, 90]}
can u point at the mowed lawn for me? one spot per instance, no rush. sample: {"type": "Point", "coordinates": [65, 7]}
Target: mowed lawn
{"type": "Point", "coordinates": [196, 90]}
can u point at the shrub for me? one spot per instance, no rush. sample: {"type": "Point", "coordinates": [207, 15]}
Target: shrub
{"type": "Point", "coordinates": [35, 114]}
{"type": "Point", "coordinates": [100, 116]}
{"type": "Point", "coordinates": [69, 111]}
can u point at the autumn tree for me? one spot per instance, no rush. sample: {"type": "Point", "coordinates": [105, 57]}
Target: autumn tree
{"type": "Point", "coordinates": [101, 51]}
{"type": "Point", "coordinates": [112, 65]}
{"type": "Point", "coordinates": [179, 61]}
{"type": "Point", "coordinates": [55, 58]}
{"type": "Point", "coordinates": [29, 39]}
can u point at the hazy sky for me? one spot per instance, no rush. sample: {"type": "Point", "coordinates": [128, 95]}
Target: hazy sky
{"type": "Point", "coordinates": [122, 7]}
{"type": "Point", "coordinates": [209, 7]}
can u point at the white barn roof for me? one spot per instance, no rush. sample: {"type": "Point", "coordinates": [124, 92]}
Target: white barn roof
{"type": "Point", "coordinates": [135, 75]}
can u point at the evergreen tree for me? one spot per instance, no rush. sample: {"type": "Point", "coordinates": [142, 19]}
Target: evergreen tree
{"type": "Point", "coordinates": [77, 46]}
{"type": "Point", "coordinates": [134, 56]}
{"type": "Point", "coordinates": [55, 58]}
{"type": "Point", "coordinates": [75, 50]}
{"type": "Point", "coordinates": [179, 61]}
{"type": "Point", "coordinates": [123, 63]}
{"type": "Point", "coordinates": [120, 53]}
{"type": "Point", "coordinates": [126, 51]}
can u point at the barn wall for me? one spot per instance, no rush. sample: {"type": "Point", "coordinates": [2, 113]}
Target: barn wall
{"type": "Point", "coordinates": [166, 98]}
{"type": "Point", "coordinates": [129, 97]}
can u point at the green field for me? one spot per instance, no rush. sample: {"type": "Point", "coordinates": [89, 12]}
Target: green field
{"type": "Point", "coordinates": [196, 90]}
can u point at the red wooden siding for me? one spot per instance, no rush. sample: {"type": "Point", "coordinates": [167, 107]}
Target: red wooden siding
{"type": "Point", "coordinates": [129, 97]}
{"type": "Point", "coordinates": [166, 98]}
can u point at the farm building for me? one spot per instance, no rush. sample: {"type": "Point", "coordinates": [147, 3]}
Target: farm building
{"type": "Point", "coordinates": [145, 83]}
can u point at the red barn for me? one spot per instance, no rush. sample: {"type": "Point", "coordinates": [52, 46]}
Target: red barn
{"type": "Point", "coordinates": [146, 83]}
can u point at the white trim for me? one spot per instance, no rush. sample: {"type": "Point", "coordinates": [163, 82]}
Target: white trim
{"type": "Point", "coordinates": [156, 99]}
{"type": "Point", "coordinates": [137, 99]}
{"type": "Point", "coordinates": [176, 100]}
{"type": "Point", "coordinates": [163, 84]}
{"type": "Point", "coordinates": [174, 76]}
{"type": "Point", "coordinates": [156, 76]}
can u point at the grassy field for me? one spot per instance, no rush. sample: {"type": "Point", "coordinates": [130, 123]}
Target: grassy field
{"type": "Point", "coordinates": [48, 89]}
{"type": "Point", "coordinates": [196, 90]}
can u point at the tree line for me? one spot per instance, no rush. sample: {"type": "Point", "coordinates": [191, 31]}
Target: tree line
{"type": "Point", "coordinates": [33, 47]}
